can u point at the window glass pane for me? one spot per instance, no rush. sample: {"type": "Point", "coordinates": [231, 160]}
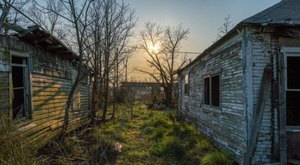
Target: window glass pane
{"type": "Point", "coordinates": [215, 90]}
{"type": "Point", "coordinates": [293, 108]}
{"type": "Point", "coordinates": [293, 72]}
{"type": "Point", "coordinates": [206, 91]}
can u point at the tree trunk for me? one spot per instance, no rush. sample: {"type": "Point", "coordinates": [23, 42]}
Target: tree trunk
{"type": "Point", "coordinates": [69, 104]}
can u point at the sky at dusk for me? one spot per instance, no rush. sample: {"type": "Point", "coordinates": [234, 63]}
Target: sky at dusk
{"type": "Point", "coordinates": [202, 17]}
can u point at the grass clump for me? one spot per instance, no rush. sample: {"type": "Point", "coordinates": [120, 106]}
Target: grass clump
{"type": "Point", "coordinates": [158, 133]}
{"type": "Point", "coordinates": [216, 158]}
{"type": "Point", "coordinates": [168, 147]}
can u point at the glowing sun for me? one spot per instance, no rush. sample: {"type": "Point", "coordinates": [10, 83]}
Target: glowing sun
{"type": "Point", "coordinates": [154, 48]}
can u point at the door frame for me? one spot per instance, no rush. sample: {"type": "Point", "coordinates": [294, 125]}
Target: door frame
{"type": "Point", "coordinates": [27, 84]}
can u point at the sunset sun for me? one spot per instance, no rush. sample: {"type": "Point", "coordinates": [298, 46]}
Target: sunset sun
{"type": "Point", "coordinates": [154, 47]}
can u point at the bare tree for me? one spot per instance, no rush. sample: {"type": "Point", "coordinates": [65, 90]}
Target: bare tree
{"type": "Point", "coordinates": [162, 45]}
{"type": "Point", "coordinates": [109, 34]}
{"type": "Point", "coordinates": [224, 29]}
{"type": "Point", "coordinates": [50, 21]}
{"type": "Point", "coordinates": [11, 14]}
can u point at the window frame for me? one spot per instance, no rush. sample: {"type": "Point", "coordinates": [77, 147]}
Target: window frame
{"type": "Point", "coordinates": [210, 101]}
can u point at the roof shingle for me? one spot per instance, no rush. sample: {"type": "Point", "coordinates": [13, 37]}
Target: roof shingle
{"type": "Point", "coordinates": [284, 12]}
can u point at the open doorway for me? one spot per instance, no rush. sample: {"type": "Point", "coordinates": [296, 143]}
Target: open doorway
{"type": "Point", "coordinates": [20, 80]}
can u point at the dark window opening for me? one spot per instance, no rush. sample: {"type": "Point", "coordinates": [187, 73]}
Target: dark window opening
{"type": "Point", "coordinates": [293, 72]}
{"type": "Point", "coordinates": [215, 92]}
{"type": "Point", "coordinates": [186, 85]}
{"type": "Point", "coordinates": [212, 90]}
{"type": "Point", "coordinates": [293, 92]}
{"type": "Point", "coordinates": [206, 91]}
{"type": "Point", "coordinates": [19, 87]}
{"type": "Point", "coordinates": [293, 111]}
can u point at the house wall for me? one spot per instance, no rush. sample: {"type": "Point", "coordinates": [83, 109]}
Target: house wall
{"type": "Point", "coordinates": [242, 61]}
{"type": "Point", "coordinates": [4, 93]}
{"type": "Point", "coordinates": [51, 78]}
{"type": "Point", "coordinates": [260, 51]}
{"type": "Point", "coordinates": [4, 82]}
{"type": "Point", "coordinates": [263, 53]}
{"type": "Point", "coordinates": [225, 124]}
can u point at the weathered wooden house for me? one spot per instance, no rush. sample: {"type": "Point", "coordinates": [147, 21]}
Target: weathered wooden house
{"type": "Point", "coordinates": [36, 75]}
{"type": "Point", "coordinates": [244, 90]}
{"type": "Point", "coordinates": [142, 91]}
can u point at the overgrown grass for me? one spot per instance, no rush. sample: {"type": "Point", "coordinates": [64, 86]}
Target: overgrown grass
{"type": "Point", "coordinates": [149, 137]}
{"type": "Point", "coordinates": [179, 142]}
{"type": "Point", "coordinates": [12, 148]}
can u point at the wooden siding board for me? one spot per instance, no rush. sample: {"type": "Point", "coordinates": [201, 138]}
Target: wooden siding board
{"type": "Point", "coordinates": [4, 93]}
{"type": "Point", "coordinates": [261, 58]}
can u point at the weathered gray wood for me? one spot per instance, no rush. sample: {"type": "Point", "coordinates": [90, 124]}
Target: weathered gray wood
{"type": "Point", "coordinates": [282, 110]}
{"type": "Point", "coordinates": [263, 95]}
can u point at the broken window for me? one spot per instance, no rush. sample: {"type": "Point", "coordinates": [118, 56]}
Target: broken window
{"type": "Point", "coordinates": [212, 90]}
{"type": "Point", "coordinates": [186, 84]}
{"type": "Point", "coordinates": [20, 93]}
{"type": "Point", "coordinates": [293, 91]}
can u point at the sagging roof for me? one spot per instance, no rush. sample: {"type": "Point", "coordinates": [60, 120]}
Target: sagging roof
{"type": "Point", "coordinates": [284, 13]}
{"type": "Point", "coordinates": [36, 36]}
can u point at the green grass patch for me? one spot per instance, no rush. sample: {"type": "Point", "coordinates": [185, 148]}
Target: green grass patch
{"type": "Point", "coordinates": [148, 137]}
{"type": "Point", "coordinates": [216, 158]}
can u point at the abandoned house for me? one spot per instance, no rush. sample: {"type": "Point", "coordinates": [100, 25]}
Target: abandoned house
{"type": "Point", "coordinates": [244, 90]}
{"type": "Point", "coordinates": [36, 75]}
{"type": "Point", "coordinates": [146, 92]}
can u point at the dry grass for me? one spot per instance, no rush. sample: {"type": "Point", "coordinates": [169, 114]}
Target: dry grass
{"type": "Point", "coordinates": [13, 150]}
